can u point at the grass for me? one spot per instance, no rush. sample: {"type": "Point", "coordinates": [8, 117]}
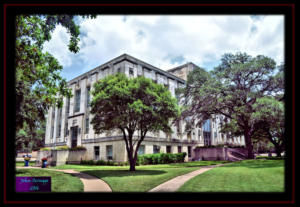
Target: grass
{"type": "Point", "coordinates": [146, 177]}
{"type": "Point", "coordinates": [244, 176]}
{"type": "Point", "coordinates": [21, 163]}
{"type": "Point", "coordinates": [60, 182]}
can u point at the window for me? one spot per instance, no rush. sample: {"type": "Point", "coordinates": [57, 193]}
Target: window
{"type": "Point", "coordinates": [141, 150]}
{"type": "Point", "coordinates": [156, 149]}
{"type": "Point", "coordinates": [119, 70]}
{"type": "Point", "coordinates": [179, 149]}
{"type": "Point", "coordinates": [53, 113]}
{"type": "Point", "coordinates": [178, 126]}
{"type": "Point", "coordinates": [189, 151]}
{"type": "Point", "coordinates": [59, 129]}
{"type": "Point", "coordinates": [215, 135]}
{"type": "Point", "coordinates": [59, 113]}
{"type": "Point", "coordinates": [77, 101]}
{"type": "Point", "coordinates": [109, 152]}
{"type": "Point", "coordinates": [131, 73]}
{"type": "Point", "coordinates": [88, 96]}
{"type": "Point", "coordinates": [68, 106]}
{"type": "Point", "coordinates": [96, 152]}
{"type": "Point", "coordinates": [52, 132]}
{"type": "Point", "coordinates": [168, 149]}
{"type": "Point", "coordinates": [66, 129]}
{"type": "Point", "coordinates": [87, 123]}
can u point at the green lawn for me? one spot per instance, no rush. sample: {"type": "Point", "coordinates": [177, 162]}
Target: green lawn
{"type": "Point", "coordinates": [21, 163]}
{"type": "Point", "coordinates": [244, 176]}
{"type": "Point", "coordinates": [60, 182]}
{"type": "Point", "coordinates": [146, 177]}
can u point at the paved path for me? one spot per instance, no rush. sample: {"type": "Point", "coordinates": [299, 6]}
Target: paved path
{"type": "Point", "coordinates": [175, 183]}
{"type": "Point", "coordinates": [90, 183]}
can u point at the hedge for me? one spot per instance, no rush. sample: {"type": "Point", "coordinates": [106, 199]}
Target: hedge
{"type": "Point", "coordinates": [77, 148]}
{"type": "Point", "coordinates": [65, 147]}
{"type": "Point", "coordinates": [160, 158]}
{"type": "Point", "coordinates": [45, 149]}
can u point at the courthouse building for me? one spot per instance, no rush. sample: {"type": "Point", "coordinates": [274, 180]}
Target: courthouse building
{"type": "Point", "coordinates": [70, 125]}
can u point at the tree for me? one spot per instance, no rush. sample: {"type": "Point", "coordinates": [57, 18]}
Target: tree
{"type": "Point", "coordinates": [270, 113]}
{"type": "Point", "coordinates": [131, 105]}
{"type": "Point", "coordinates": [28, 139]}
{"type": "Point", "coordinates": [38, 82]}
{"type": "Point", "coordinates": [232, 89]}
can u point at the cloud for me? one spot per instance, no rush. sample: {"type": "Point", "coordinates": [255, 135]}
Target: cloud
{"type": "Point", "coordinates": [168, 41]}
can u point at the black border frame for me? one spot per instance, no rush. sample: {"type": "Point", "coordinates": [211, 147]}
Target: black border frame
{"type": "Point", "coordinates": [9, 10]}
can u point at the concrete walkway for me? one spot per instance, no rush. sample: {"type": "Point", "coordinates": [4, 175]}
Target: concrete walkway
{"type": "Point", "coordinates": [175, 183]}
{"type": "Point", "coordinates": [90, 183]}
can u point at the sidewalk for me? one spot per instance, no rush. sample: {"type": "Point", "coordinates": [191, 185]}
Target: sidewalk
{"type": "Point", "coordinates": [175, 183]}
{"type": "Point", "coordinates": [90, 183]}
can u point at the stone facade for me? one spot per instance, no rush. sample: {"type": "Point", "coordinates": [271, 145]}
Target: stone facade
{"type": "Point", "coordinates": [71, 126]}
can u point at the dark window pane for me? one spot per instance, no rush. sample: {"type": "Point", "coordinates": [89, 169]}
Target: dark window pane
{"type": "Point", "coordinates": [77, 100]}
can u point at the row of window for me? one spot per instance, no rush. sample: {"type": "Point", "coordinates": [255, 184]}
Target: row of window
{"type": "Point", "coordinates": [77, 99]}
{"type": "Point", "coordinates": [141, 151]}
{"type": "Point", "coordinates": [76, 109]}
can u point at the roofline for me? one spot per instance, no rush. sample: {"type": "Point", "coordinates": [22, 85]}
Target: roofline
{"type": "Point", "coordinates": [181, 66]}
{"type": "Point", "coordinates": [130, 59]}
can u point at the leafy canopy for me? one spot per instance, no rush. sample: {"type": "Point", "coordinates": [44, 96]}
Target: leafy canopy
{"type": "Point", "coordinates": [37, 80]}
{"type": "Point", "coordinates": [132, 104]}
{"type": "Point", "coordinates": [232, 89]}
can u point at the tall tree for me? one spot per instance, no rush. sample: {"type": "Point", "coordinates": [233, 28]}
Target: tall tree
{"type": "Point", "coordinates": [271, 122]}
{"type": "Point", "coordinates": [38, 82]}
{"type": "Point", "coordinates": [231, 89]}
{"type": "Point", "coordinates": [132, 105]}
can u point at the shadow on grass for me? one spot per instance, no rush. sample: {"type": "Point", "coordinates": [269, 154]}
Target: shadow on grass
{"type": "Point", "coordinates": [257, 163]}
{"type": "Point", "coordinates": [122, 173]}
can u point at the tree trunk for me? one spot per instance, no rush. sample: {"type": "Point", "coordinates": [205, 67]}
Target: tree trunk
{"type": "Point", "coordinates": [132, 165]}
{"type": "Point", "coordinates": [249, 145]}
{"type": "Point", "coordinates": [277, 146]}
{"type": "Point", "coordinates": [278, 150]}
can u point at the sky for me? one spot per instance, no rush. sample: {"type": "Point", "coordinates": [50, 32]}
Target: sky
{"type": "Point", "coordinates": [167, 41]}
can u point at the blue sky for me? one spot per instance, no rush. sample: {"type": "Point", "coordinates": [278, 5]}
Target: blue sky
{"type": "Point", "coordinates": [168, 41]}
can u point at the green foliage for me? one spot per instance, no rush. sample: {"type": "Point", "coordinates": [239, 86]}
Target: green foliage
{"type": "Point", "coordinates": [129, 105]}
{"type": "Point", "coordinates": [232, 89]}
{"type": "Point", "coordinates": [269, 158]}
{"type": "Point", "coordinates": [45, 149]}
{"type": "Point", "coordinates": [77, 148]}
{"type": "Point", "coordinates": [119, 101]}
{"type": "Point", "coordinates": [161, 158]}
{"type": "Point", "coordinates": [28, 139]}
{"type": "Point", "coordinates": [65, 147]}
{"type": "Point", "coordinates": [38, 82]}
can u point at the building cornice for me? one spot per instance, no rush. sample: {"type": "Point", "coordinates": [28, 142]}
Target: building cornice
{"type": "Point", "coordinates": [125, 57]}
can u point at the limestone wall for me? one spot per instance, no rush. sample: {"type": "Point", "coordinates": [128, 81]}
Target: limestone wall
{"type": "Point", "coordinates": [218, 153]}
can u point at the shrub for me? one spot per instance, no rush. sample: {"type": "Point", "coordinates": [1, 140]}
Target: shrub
{"type": "Point", "coordinates": [87, 162]}
{"type": "Point", "coordinates": [100, 162]}
{"type": "Point", "coordinates": [110, 163]}
{"type": "Point", "coordinates": [77, 148]}
{"type": "Point", "coordinates": [45, 149]}
{"type": "Point", "coordinates": [160, 158]}
{"type": "Point", "coordinates": [65, 147]}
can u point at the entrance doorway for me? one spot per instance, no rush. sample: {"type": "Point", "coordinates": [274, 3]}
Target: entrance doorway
{"type": "Point", "coordinates": [74, 131]}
